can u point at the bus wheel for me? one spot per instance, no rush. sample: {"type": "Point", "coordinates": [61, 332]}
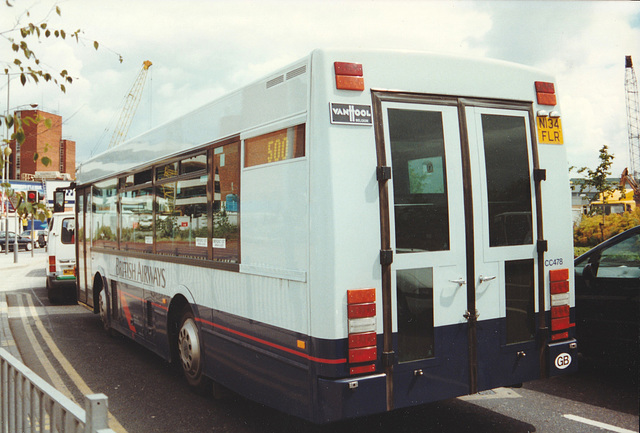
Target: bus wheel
{"type": "Point", "coordinates": [190, 352]}
{"type": "Point", "coordinates": [103, 305]}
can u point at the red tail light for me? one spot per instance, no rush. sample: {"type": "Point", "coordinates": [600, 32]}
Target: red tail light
{"type": "Point", "coordinates": [362, 354]}
{"type": "Point", "coordinates": [349, 76]}
{"type": "Point", "coordinates": [362, 340]}
{"type": "Point", "coordinates": [361, 315]}
{"type": "Point", "coordinates": [52, 263]}
{"type": "Point", "coordinates": [560, 309]}
{"type": "Point", "coordinates": [546, 93]}
{"type": "Point", "coordinates": [360, 296]}
{"type": "Point", "coordinates": [362, 310]}
{"type": "Point", "coordinates": [559, 287]}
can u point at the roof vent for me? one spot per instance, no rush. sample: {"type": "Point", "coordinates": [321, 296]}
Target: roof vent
{"type": "Point", "coordinates": [275, 81]}
{"type": "Point", "coordinates": [296, 72]}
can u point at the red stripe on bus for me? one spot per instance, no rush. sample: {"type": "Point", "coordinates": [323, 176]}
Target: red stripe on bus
{"type": "Point", "coordinates": [127, 312]}
{"type": "Point", "coordinates": [233, 331]}
{"type": "Point", "coordinates": [275, 346]}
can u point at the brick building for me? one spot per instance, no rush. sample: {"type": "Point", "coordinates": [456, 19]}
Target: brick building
{"type": "Point", "coordinates": [43, 135]}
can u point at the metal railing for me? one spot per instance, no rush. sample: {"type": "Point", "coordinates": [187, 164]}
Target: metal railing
{"type": "Point", "coordinates": [29, 404]}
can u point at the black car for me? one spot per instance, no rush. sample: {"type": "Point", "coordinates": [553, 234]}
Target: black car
{"type": "Point", "coordinates": [607, 299]}
{"type": "Point", "coordinates": [24, 243]}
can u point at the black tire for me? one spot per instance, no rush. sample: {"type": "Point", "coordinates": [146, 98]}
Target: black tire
{"type": "Point", "coordinates": [190, 353]}
{"type": "Point", "coordinates": [52, 293]}
{"type": "Point", "coordinates": [104, 310]}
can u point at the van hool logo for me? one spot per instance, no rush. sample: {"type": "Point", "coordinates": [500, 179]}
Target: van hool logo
{"type": "Point", "coordinates": [139, 273]}
{"type": "Point", "coordinates": [349, 114]}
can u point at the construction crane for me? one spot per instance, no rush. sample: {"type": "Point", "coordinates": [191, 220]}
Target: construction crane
{"type": "Point", "coordinates": [131, 101]}
{"type": "Point", "coordinates": [626, 179]}
{"type": "Point", "coordinates": [633, 119]}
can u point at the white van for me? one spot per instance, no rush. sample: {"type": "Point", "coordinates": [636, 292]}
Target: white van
{"type": "Point", "coordinates": [61, 275]}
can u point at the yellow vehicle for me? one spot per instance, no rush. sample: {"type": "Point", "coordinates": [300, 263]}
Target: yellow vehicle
{"type": "Point", "coordinates": [616, 202]}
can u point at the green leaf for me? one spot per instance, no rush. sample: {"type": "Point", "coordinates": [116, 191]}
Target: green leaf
{"type": "Point", "coordinates": [47, 123]}
{"type": "Point", "coordinates": [23, 79]}
{"type": "Point", "coordinates": [46, 161]}
{"type": "Point", "coordinates": [95, 44]}
{"type": "Point", "coordinates": [35, 157]}
{"type": "Point", "coordinates": [58, 11]}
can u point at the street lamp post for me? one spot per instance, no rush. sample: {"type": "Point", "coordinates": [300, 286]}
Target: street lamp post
{"type": "Point", "coordinates": [5, 179]}
{"type": "Point", "coordinates": [5, 173]}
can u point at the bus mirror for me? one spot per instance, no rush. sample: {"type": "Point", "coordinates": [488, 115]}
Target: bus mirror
{"type": "Point", "coordinates": [58, 201]}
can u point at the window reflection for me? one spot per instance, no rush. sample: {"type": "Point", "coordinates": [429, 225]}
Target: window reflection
{"type": "Point", "coordinates": [181, 218]}
{"type": "Point", "coordinates": [137, 220]}
{"type": "Point", "coordinates": [520, 300]}
{"type": "Point", "coordinates": [225, 206]}
{"type": "Point", "coordinates": [415, 314]}
{"type": "Point", "coordinates": [419, 180]}
{"type": "Point", "coordinates": [105, 214]}
{"type": "Point", "coordinates": [508, 180]}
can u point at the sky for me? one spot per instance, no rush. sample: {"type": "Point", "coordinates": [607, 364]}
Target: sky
{"type": "Point", "coordinates": [202, 50]}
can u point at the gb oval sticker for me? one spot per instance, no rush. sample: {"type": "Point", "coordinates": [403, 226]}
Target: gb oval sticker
{"type": "Point", "coordinates": [563, 361]}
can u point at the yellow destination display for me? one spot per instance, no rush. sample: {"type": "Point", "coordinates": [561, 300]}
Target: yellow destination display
{"type": "Point", "coordinates": [549, 130]}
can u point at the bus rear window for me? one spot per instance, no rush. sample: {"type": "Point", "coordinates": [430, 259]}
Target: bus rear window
{"type": "Point", "coordinates": [67, 234]}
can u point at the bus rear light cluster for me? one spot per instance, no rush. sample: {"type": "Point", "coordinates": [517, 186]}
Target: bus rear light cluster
{"type": "Point", "coordinates": [560, 310]}
{"type": "Point", "coordinates": [52, 264]}
{"type": "Point", "coordinates": [349, 76]}
{"type": "Point", "coordinates": [546, 93]}
{"type": "Point", "coordinates": [361, 314]}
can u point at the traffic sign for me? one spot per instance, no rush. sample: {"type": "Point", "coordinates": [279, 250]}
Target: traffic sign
{"type": "Point", "coordinates": [14, 199]}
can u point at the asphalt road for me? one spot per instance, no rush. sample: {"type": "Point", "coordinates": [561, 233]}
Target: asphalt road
{"type": "Point", "coordinates": [147, 395]}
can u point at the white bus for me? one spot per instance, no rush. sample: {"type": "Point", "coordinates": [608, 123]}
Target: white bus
{"type": "Point", "coordinates": [357, 232]}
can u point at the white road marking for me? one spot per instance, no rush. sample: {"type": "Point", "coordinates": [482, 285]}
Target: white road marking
{"type": "Point", "coordinates": [17, 313]}
{"type": "Point", "coordinates": [492, 394]}
{"type": "Point", "coordinates": [56, 380]}
{"type": "Point", "coordinates": [66, 365]}
{"type": "Point", "coordinates": [597, 424]}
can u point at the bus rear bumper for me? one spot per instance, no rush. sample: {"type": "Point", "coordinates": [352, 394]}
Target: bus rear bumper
{"type": "Point", "coordinates": [351, 397]}
{"type": "Point", "coordinates": [562, 357]}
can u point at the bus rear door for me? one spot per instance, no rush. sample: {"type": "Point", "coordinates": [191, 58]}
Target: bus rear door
{"type": "Point", "coordinates": [460, 228]}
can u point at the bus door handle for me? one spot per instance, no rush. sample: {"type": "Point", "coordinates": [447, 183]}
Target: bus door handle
{"type": "Point", "coordinates": [459, 281]}
{"type": "Point", "coordinates": [485, 279]}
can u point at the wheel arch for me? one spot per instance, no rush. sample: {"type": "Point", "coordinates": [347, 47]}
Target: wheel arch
{"type": "Point", "coordinates": [181, 300]}
{"type": "Point", "coordinates": [99, 284]}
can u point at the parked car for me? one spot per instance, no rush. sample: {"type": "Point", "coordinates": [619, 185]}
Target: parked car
{"type": "Point", "coordinates": [39, 237]}
{"type": "Point", "coordinates": [61, 251]}
{"type": "Point", "coordinates": [607, 281]}
{"type": "Point", "coordinates": [23, 243]}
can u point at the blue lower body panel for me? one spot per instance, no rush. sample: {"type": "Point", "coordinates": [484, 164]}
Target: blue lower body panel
{"type": "Point", "coordinates": [349, 398]}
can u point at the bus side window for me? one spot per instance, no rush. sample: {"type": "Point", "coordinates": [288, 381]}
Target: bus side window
{"type": "Point", "coordinates": [225, 207]}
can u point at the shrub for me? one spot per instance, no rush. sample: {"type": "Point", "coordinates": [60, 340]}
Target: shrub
{"type": "Point", "coordinates": [587, 232]}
